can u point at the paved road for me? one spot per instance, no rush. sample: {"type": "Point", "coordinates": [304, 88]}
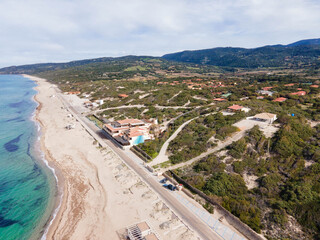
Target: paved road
{"type": "Point", "coordinates": [163, 157]}
{"type": "Point", "coordinates": [195, 223]}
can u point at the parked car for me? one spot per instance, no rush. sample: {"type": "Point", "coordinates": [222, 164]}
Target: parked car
{"type": "Point", "coordinates": [170, 187]}
{"type": "Point", "coordinates": [163, 180]}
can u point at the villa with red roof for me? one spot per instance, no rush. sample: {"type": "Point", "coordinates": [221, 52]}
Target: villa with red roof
{"type": "Point", "coordinates": [300, 93]}
{"type": "Point", "coordinates": [289, 84]}
{"type": "Point", "coordinates": [280, 99]}
{"type": "Point", "coordinates": [128, 132]}
{"type": "Point", "coordinates": [314, 86]}
{"type": "Point", "coordinates": [236, 108]}
{"type": "Point", "coordinates": [220, 99]}
{"type": "Point", "coordinates": [123, 96]}
{"type": "Point", "coordinates": [267, 88]}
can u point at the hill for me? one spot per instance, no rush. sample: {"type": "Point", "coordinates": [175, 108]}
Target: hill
{"type": "Point", "coordinates": [305, 42]}
{"type": "Point", "coordinates": [304, 53]}
{"type": "Point", "coordinates": [298, 54]}
{"type": "Point", "coordinates": [44, 67]}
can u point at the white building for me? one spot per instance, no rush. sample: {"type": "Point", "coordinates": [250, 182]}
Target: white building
{"type": "Point", "coordinates": [264, 117]}
{"type": "Point", "coordinates": [141, 231]}
{"type": "Point", "coordinates": [266, 92]}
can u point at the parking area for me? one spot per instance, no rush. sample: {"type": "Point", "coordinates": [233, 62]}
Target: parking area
{"type": "Point", "coordinates": [76, 102]}
{"type": "Point", "coordinates": [266, 128]}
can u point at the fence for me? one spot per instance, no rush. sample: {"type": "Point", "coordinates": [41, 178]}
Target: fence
{"type": "Point", "coordinates": [140, 153]}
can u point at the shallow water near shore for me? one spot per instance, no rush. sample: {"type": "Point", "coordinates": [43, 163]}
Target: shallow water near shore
{"type": "Point", "coordinates": [27, 186]}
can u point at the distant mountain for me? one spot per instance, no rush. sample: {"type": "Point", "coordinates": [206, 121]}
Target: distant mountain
{"type": "Point", "coordinates": [43, 67]}
{"type": "Point", "coordinates": [297, 54]}
{"type": "Point", "coordinates": [305, 42]}
{"type": "Point", "coordinates": [303, 53]}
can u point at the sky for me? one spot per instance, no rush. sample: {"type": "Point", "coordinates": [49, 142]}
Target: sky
{"type": "Point", "coordinates": [38, 31]}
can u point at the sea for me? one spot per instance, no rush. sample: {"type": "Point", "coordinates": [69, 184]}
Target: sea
{"type": "Point", "coordinates": [27, 184]}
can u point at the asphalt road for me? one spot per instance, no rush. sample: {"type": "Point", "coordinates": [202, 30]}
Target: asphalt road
{"type": "Point", "coordinates": [192, 221]}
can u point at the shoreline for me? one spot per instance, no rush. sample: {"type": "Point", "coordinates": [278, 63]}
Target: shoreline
{"type": "Point", "coordinates": [49, 162]}
{"type": "Point", "coordinates": [100, 195]}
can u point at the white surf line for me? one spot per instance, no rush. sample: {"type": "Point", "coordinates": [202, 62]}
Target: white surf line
{"type": "Point", "coordinates": [56, 210]}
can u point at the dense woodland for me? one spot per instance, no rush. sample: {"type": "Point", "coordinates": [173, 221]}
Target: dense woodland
{"type": "Point", "coordinates": [288, 181]}
{"type": "Point", "coordinates": [269, 56]}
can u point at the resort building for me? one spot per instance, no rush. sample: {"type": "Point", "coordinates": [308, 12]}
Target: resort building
{"type": "Point", "coordinates": [129, 132]}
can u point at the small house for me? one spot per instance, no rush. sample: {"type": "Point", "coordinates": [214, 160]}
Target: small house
{"type": "Point", "coordinates": [265, 92]}
{"type": "Point", "coordinates": [236, 108]}
{"type": "Point", "coordinates": [220, 99]}
{"type": "Point", "coordinates": [123, 96]}
{"type": "Point", "coordinates": [267, 88]}
{"type": "Point", "coordinates": [289, 84]}
{"type": "Point", "coordinates": [141, 231]}
{"type": "Point", "coordinates": [280, 99]}
{"type": "Point", "coordinates": [299, 93]}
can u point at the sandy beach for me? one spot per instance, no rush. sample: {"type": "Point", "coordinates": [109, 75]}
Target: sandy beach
{"type": "Point", "coordinates": [101, 196]}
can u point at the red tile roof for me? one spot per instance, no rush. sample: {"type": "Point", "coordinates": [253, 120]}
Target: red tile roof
{"type": "Point", "coordinates": [235, 107]}
{"type": "Point", "coordinates": [159, 83]}
{"type": "Point", "coordinates": [76, 92]}
{"type": "Point", "coordinates": [115, 129]}
{"type": "Point", "coordinates": [267, 88]}
{"type": "Point", "coordinates": [300, 93]}
{"type": "Point", "coordinates": [280, 99]}
{"type": "Point", "coordinates": [123, 95]}
{"type": "Point", "coordinates": [135, 132]}
{"type": "Point", "coordinates": [314, 86]}
{"type": "Point", "coordinates": [130, 121]}
{"type": "Point", "coordinates": [220, 99]}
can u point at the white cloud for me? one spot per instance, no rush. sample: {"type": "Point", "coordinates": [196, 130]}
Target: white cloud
{"type": "Point", "coordinates": [42, 30]}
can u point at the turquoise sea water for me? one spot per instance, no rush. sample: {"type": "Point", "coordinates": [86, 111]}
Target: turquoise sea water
{"type": "Point", "coordinates": [26, 184]}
